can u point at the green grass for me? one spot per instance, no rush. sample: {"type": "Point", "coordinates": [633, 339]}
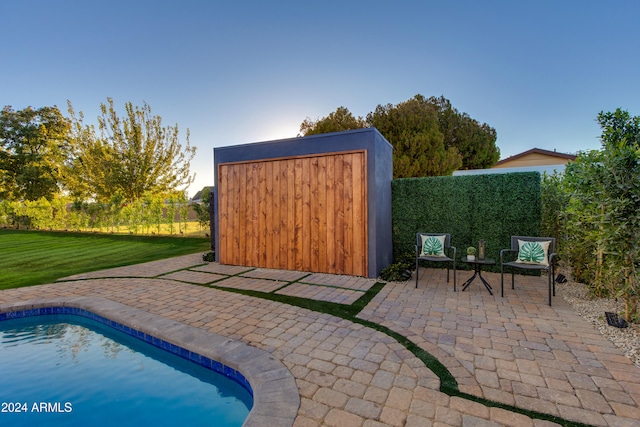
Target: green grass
{"type": "Point", "coordinates": [36, 257]}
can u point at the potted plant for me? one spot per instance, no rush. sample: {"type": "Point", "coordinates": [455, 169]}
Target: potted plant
{"type": "Point", "coordinates": [471, 253]}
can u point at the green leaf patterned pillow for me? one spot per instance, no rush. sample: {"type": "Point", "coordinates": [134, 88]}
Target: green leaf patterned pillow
{"type": "Point", "coordinates": [533, 252]}
{"type": "Point", "coordinates": [433, 246]}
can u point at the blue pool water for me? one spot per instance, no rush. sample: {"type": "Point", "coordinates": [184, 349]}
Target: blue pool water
{"type": "Point", "coordinates": [63, 370]}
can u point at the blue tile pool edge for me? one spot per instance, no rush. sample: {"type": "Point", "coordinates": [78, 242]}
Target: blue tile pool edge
{"type": "Point", "coordinates": [169, 347]}
{"type": "Point", "coordinates": [276, 398]}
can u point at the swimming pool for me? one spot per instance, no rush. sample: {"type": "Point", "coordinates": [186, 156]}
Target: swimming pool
{"type": "Point", "coordinates": [276, 398]}
{"type": "Point", "coordinates": [62, 369]}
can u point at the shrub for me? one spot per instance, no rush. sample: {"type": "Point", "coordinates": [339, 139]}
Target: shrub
{"type": "Point", "coordinates": [400, 270]}
{"type": "Point", "coordinates": [209, 256]}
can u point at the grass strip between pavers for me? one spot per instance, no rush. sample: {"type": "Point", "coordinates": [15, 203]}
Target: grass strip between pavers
{"type": "Point", "coordinates": [448, 384]}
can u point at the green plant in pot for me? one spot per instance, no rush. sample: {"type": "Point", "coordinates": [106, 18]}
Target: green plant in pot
{"type": "Point", "coordinates": [471, 253]}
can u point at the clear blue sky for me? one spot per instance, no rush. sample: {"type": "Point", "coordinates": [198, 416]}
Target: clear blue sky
{"type": "Point", "coordinates": [235, 72]}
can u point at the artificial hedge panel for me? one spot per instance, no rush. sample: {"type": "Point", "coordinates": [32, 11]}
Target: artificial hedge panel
{"type": "Point", "coordinates": [491, 207]}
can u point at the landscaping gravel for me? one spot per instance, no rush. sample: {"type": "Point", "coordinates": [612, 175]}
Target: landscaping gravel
{"type": "Point", "coordinates": [593, 310]}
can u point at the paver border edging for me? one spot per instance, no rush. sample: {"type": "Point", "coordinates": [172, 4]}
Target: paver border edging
{"type": "Point", "coordinates": [276, 398]}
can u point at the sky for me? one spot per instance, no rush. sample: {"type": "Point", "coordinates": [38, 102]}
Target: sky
{"type": "Point", "coordinates": [244, 71]}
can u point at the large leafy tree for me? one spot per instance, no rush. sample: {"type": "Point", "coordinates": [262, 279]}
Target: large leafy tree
{"type": "Point", "coordinates": [129, 155]}
{"type": "Point", "coordinates": [429, 136]}
{"type": "Point", "coordinates": [475, 141]}
{"type": "Point", "coordinates": [418, 145]}
{"type": "Point", "coordinates": [340, 120]}
{"type": "Point", "coordinates": [33, 146]}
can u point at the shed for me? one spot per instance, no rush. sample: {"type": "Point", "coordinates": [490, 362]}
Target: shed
{"type": "Point", "coordinates": [320, 203]}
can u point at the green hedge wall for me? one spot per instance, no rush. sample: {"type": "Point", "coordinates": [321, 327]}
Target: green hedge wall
{"type": "Point", "coordinates": [492, 207]}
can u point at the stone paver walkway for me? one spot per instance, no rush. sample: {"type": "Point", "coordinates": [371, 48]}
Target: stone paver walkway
{"type": "Point", "coordinates": [514, 350]}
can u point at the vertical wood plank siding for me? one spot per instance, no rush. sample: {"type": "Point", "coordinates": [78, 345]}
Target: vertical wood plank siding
{"type": "Point", "coordinates": [303, 213]}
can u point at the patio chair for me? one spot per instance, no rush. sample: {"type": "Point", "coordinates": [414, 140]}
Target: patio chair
{"type": "Point", "coordinates": [532, 253]}
{"type": "Point", "coordinates": [436, 247]}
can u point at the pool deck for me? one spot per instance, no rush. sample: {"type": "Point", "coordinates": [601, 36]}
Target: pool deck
{"type": "Point", "coordinates": [515, 350]}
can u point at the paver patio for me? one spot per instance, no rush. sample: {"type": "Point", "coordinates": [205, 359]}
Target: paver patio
{"type": "Point", "coordinates": [514, 350]}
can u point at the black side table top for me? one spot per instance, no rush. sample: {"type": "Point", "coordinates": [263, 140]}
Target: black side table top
{"type": "Point", "coordinates": [486, 261]}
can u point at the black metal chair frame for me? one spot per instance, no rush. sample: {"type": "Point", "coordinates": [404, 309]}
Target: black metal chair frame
{"type": "Point", "coordinates": [448, 249]}
{"type": "Point", "coordinates": [550, 269]}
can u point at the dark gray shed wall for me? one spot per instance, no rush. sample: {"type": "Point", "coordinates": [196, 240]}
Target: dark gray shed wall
{"type": "Point", "coordinates": [379, 176]}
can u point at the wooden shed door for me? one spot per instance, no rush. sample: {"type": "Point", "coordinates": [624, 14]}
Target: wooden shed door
{"type": "Point", "coordinates": [302, 213]}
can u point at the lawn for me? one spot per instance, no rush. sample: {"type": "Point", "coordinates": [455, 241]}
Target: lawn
{"type": "Point", "coordinates": [36, 257]}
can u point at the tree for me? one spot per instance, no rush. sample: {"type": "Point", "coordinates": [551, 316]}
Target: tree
{"type": "Point", "coordinates": [429, 136]}
{"type": "Point", "coordinates": [620, 189]}
{"type": "Point", "coordinates": [418, 145]}
{"type": "Point", "coordinates": [33, 146]}
{"type": "Point", "coordinates": [340, 120]}
{"type": "Point", "coordinates": [202, 209]}
{"type": "Point", "coordinates": [132, 155]}
{"type": "Point", "coordinates": [603, 211]}
{"type": "Point", "coordinates": [583, 218]}
{"type": "Point", "coordinates": [475, 142]}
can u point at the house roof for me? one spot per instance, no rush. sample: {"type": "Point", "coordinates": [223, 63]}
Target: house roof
{"type": "Point", "coordinates": [537, 151]}
{"type": "Point", "coordinates": [198, 195]}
